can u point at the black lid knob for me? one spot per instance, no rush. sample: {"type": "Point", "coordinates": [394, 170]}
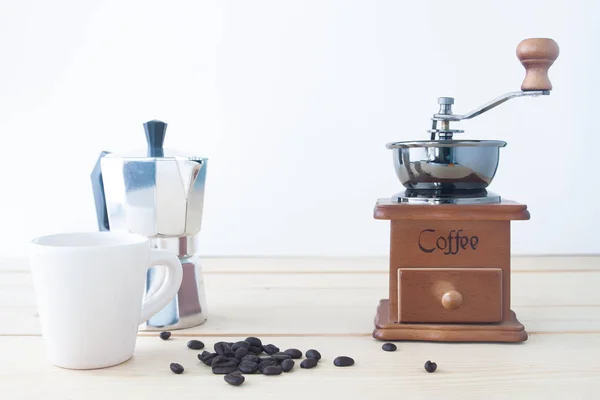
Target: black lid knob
{"type": "Point", "coordinates": [155, 136]}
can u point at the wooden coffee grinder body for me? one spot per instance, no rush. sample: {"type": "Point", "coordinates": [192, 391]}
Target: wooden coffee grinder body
{"type": "Point", "coordinates": [449, 273]}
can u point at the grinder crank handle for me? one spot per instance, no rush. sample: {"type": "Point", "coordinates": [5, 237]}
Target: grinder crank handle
{"type": "Point", "coordinates": [537, 56]}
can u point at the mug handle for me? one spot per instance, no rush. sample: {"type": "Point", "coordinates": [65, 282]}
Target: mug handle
{"type": "Point", "coordinates": [170, 286]}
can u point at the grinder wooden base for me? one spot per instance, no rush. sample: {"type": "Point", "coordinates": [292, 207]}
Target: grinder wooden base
{"type": "Point", "coordinates": [449, 272]}
{"type": "Point", "coordinates": [508, 331]}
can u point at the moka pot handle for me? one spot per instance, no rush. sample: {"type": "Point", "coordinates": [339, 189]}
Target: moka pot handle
{"type": "Point", "coordinates": [99, 196]}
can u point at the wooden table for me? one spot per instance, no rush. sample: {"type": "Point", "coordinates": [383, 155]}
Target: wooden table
{"type": "Point", "coordinates": [327, 304]}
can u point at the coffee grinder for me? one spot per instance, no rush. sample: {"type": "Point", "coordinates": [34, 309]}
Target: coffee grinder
{"type": "Point", "coordinates": [449, 275]}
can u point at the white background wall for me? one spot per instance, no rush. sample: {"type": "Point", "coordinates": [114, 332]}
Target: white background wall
{"type": "Point", "coordinates": [293, 102]}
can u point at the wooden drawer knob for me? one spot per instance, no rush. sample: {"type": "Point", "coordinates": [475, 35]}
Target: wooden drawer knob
{"type": "Point", "coordinates": [452, 300]}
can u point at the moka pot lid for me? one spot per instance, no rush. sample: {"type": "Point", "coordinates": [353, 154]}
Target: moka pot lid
{"type": "Point", "coordinates": [155, 136]}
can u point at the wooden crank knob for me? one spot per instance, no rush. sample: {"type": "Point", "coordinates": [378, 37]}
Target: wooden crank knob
{"type": "Point", "coordinates": [452, 300]}
{"type": "Point", "coordinates": [537, 56]}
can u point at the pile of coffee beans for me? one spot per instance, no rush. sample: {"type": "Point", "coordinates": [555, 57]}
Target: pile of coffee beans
{"type": "Point", "coordinates": [251, 356]}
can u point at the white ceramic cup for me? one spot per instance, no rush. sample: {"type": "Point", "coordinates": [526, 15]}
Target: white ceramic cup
{"type": "Point", "coordinates": [90, 294]}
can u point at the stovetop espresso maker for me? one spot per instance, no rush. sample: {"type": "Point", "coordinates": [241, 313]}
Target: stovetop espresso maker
{"type": "Point", "coordinates": [158, 193]}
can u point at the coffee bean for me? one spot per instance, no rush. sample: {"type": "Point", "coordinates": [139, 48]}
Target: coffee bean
{"type": "Point", "coordinates": [255, 350]}
{"type": "Point", "coordinates": [279, 357]}
{"type": "Point", "coordinates": [430, 366]}
{"type": "Point", "coordinates": [218, 360]}
{"type": "Point", "coordinates": [225, 361]}
{"type": "Point", "coordinates": [270, 349]}
{"type": "Point", "coordinates": [176, 368]}
{"type": "Point", "coordinates": [235, 378]}
{"type": "Point", "coordinates": [238, 345]}
{"type": "Point", "coordinates": [251, 358]}
{"type": "Point", "coordinates": [240, 353]}
{"type": "Point", "coordinates": [222, 361]}
{"type": "Point", "coordinates": [309, 363]}
{"type": "Point", "coordinates": [312, 353]}
{"type": "Point", "coordinates": [253, 341]}
{"type": "Point", "coordinates": [224, 369]}
{"type": "Point", "coordinates": [165, 335]}
{"type": "Point", "coordinates": [248, 367]}
{"type": "Point", "coordinates": [195, 345]}
{"type": "Point", "coordinates": [343, 361]}
{"type": "Point", "coordinates": [294, 353]}
{"type": "Point", "coordinates": [287, 365]}
{"type": "Point", "coordinates": [223, 349]}
{"type": "Point", "coordinates": [207, 357]}
{"type": "Point", "coordinates": [266, 363]}
{"type": "Point", "coordinates": [389, 347]}
{"type": "Point", "coordinates": [272, 370]}
{"type": "Point", "coordinates": [230, 354]}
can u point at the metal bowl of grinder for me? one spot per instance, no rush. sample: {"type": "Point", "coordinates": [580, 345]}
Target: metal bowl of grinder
{"type": "Point", "coordinates": [446, 165]}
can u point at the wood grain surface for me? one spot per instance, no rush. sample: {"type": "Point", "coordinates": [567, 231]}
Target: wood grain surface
{"type": "Point", "coordinates": [328, 304]}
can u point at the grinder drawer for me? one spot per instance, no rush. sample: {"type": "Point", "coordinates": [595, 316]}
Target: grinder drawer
{"type": "Point", "coordinates": [459, 295]}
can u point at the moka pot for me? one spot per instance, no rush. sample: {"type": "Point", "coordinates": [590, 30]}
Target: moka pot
{"type": "Point", "coordinates": [158, 193]}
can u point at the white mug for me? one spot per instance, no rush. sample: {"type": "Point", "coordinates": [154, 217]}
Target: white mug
{"type": "Point", "coordinates": [90, 294]}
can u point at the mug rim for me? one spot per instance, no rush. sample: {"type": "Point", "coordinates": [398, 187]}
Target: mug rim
{"type": "Point", "coordinates": [89, 240]}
